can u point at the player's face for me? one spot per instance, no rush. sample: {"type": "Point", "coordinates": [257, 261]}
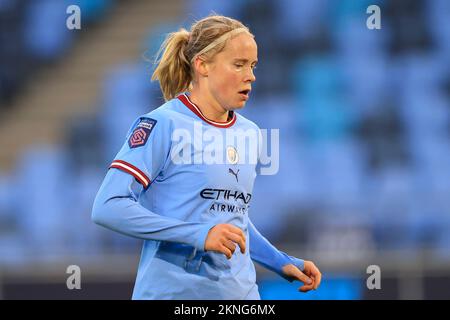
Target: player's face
{"type": "Point", "coordinates": [231, 74]}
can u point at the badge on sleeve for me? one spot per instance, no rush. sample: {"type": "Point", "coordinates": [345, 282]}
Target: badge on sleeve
{"type": "Point", "coordinates": [140, 134]}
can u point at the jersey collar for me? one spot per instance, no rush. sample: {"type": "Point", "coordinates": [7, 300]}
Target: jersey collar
{"type": "Point", "coordinates": [195, 109]}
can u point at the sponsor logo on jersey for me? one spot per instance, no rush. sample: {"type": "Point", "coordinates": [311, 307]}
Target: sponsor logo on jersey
{"type": "Point", "coordinates": [230, 208]}
{"type": "Point", "coordinates": [223, 194]}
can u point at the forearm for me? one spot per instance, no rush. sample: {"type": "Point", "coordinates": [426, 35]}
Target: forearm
{"type": "Point", "coordinates": [264, 253]}
{"type": "Point", "coordinates": [116, 208]}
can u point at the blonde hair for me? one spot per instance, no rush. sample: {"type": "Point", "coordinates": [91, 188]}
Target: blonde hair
{"type": "Point", "coordinates": [207, 37]}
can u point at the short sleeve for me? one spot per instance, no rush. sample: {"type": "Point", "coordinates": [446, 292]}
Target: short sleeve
{"type": "Point", "coordinates": [146, 149]}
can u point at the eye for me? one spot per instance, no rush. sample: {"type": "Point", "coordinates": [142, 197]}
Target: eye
{"type": "Point", "coordinates": [254, 67]}
{"type": "Point", "coordinates": [238, 65]}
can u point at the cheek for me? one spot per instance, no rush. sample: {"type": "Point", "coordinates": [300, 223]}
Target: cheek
{"type": "Point", "coordinates": [230, 81]}
{"type": "Point", "coordinates": [226, 83]}
{"type": "Point", "coordinates": [225, 73]}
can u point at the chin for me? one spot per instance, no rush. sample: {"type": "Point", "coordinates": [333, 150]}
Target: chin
{"type": "Point", "coordinates": [238, 105]}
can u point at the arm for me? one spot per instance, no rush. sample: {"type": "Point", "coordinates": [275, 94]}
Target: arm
{"type": "Point", "coordinates": [290, 268]}
{"type": "Point", "coordinates": [263, 252]}
{"type": "Point", "coordinates": [116, 208]}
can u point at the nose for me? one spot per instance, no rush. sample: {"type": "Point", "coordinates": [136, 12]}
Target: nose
{"type": "Point", "coordinates": [250, 76]}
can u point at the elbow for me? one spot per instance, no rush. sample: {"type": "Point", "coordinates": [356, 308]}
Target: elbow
{"type": "Point", "coordinates": [108, 203]}
{"type": "Point", "coordinates": [106, 213]}
{"type": "Point", "coordinates": [98, 215]}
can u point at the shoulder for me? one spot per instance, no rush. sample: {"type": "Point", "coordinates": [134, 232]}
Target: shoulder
{"type": "Point", "coordinates": [163, 113]}
{"type": "Point", "coordinates": [156, 122]}
{"type": "Point", "coordinates": [163, 116]}
{"type": "Point", "coordinates": [246, 123]}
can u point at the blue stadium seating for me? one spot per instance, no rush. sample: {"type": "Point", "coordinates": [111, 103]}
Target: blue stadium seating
{"type": "Point", "coordinates": [45, 35]}
{"type": "Point", "coordinates": [126, 96]}
{"type": "Point", "coordinates": [324, 160]}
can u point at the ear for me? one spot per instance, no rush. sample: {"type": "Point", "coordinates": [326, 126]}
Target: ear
{"type": "Point", "coordinates": [201, 67]}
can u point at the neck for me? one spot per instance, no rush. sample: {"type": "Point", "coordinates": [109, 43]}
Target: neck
{"type": "Point", "coordinates": [210, 108]}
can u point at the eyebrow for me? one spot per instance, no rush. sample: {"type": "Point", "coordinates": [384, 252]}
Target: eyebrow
{"type": "Point", "coordinates": [244, 60]}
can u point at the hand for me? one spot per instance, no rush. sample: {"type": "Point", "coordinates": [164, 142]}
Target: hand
{"type": "Point", "coordinates": [223, 238]}
{"type": "Point", "coordinates": [310, 276]}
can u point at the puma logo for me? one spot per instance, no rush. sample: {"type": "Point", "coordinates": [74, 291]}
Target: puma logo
{"type": "Point", "coordinates": [234, 173]}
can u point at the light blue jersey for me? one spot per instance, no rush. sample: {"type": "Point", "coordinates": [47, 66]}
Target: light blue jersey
{"type": "Point", "coordinates": [177, 175]}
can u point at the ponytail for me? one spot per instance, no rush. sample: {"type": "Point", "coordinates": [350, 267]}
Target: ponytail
{"type": "Point", "coordinates": [174, 69]}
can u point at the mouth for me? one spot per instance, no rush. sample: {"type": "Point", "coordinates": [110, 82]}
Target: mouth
{"type": "Point", "coordinates": [245, 94]}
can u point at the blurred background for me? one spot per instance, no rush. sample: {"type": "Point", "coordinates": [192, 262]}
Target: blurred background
{"type": "Point", "coordinates": [364, 125]}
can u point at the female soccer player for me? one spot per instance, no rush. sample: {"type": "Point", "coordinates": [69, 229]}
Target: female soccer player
{"type": "Point", "coordinates": [167, 187]}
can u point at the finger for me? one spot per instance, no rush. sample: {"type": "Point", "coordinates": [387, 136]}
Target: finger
{"type": "Point", "coordinates": [313, 278]}
{"type": "Point", "coordinates": [226, 251]}
{"type": "Point", "coordinates": [314, 273]}
{"type": "Point", "coordinates": [317, 279]}
{"type": "Point", "coordinates": [306, 288]}
{"type": "Point", "coordinates": [236, 230]}
{"type": "Point", "coordinates": [230, 245]}
{"type": "Point", "coordinates": [238, 239]}
{"type": "Point", "coordinates": [302, 277]}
